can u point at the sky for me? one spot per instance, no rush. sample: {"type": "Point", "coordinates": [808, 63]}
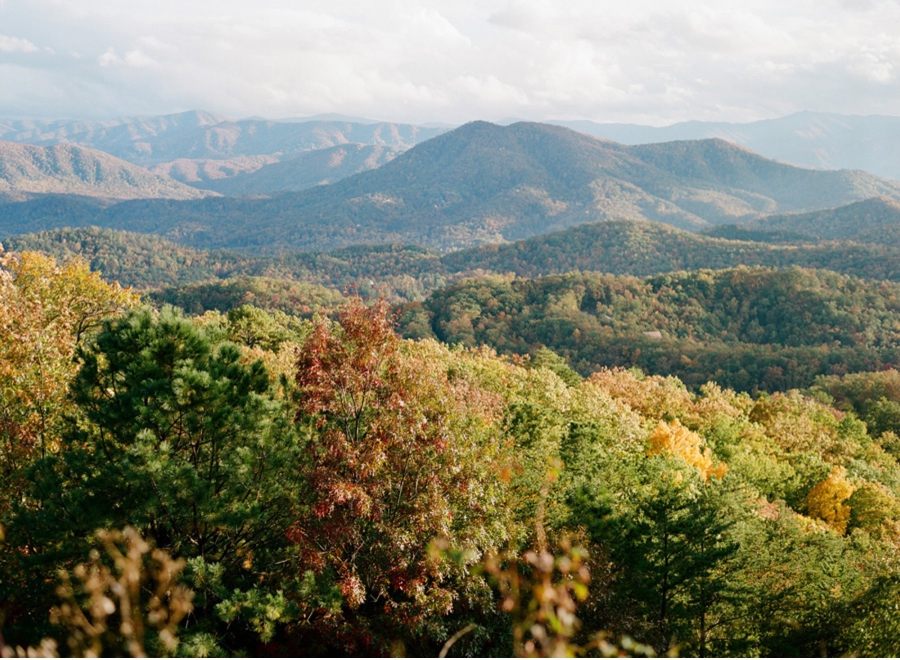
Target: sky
{"type": "Point", "coordinates": [634, 61]}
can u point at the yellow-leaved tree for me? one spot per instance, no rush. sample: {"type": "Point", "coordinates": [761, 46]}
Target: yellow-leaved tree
{"type": "Point", "coordinates": [674, 439]}
{"type": "Point", "coordinates": [45, 308]}
{"type": "Point", "coordinates": [827, 501]}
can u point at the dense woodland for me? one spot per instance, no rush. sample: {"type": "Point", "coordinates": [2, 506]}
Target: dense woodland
{"type": "Point", "coordinates": [744, 328]}
{"type": "Point", "coordinates": [407, 273]}
{"type": "Point", "coordinates": [305, 481]}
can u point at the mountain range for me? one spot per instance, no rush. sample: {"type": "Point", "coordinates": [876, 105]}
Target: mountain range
{"type": "Point", "coordinates": [812, 139]}
{"type": "Point", "coordinates": [201, 135]}
{"type": "Point", "coordinates": [483, 183]}
{"type": "Point", "coordinates": [203, 148]}
{"type": "Point", "coordinates": [621, 247]}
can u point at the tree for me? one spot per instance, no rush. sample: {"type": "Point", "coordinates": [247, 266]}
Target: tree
{"type": "Point", "coordinates": [827, 501]}
{"type": "Point", "coordinates": [402, 454]}
{"type": "Point", "coordinates": [871, 505]}
{"type": "Point", "coordinates": [676, 440]}
{"type": "Point", "coordinates": [45, 309]}
{"type": "Point", "coordinates": [177, 436]}
{"type": "Point", "coordinates": [668, 536]}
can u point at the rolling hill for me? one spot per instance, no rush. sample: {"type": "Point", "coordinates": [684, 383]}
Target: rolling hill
{"type": "Point", "coordinates": [483, 183]}
{"type": "Point", "coordinates": [746, 328]}
{"type": "Point", "coordinates": [875, 220]}
{"type": "Point", "coordinates": [406, 273]}
{"type": "Point", "coordinates": [648, 248]}
{"type": "Point", "coordinates": [150, 262]}
{"type": "Point", "coordinates": [72, 170]}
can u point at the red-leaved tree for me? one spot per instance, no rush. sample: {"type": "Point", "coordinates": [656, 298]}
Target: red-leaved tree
{"type": "Point", "coordinates": [403, 458]}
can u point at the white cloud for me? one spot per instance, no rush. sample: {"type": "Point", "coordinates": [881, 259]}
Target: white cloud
{"type": "Point", "coordinates": [109, 58]}
{"type": "Point", "coordinates": [16, 45]}
{"type": "Point", "coordinates": [450, 60]}
{"type": "Point", "coordinates": [138, 58]}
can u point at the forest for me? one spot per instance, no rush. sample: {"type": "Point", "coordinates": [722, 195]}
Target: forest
{"type": "Point", "coordinates": [746, 328]}
{"type": "Point", "coordinates": [267, 468]}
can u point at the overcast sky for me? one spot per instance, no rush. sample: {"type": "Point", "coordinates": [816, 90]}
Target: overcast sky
{"type": "Point", "coordinates": [640, 61]}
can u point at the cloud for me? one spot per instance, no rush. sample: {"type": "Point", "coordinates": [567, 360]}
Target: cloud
{"type": "Point", "coordinates": [16, 45]}
{"type": "Point", "coordinates": [443, 60]}
{"type": "Point", "coordinates": [109, 58]}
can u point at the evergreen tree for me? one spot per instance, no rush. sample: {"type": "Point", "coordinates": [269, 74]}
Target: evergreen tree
{"type": "Point", "coordinates": [178, 437]}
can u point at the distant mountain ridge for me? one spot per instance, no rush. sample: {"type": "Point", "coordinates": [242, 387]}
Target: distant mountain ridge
{"type": "Point", "coordinates": [812, 139]}
{"type": "Point", "coordinates": [483, 183]}
{"type": "Point", "coordinates": [73, 170]}
{"type": "Point", "coordinates": [205, 135]}
{"type": "Point", "coordinates": [197, 171]}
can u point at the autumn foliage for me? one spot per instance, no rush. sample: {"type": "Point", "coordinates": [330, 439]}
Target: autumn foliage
{"type": "Point", "coordinates": [45, 308]}
{"type": "Point", "coordinates": [323, 487]}
{"type": "Point", "coordinates": [827, 501]}
{"type": "Point", "coordinates": [400, 454]}
{"type": "Point", "coordinates": [676, 440]}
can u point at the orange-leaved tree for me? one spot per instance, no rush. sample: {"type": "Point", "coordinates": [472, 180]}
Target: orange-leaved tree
{"type": "Point", "coordinates": [402, 455]}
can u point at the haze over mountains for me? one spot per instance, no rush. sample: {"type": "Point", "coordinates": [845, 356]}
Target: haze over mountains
{"type": "Point", "coordinates": [198, 147]}
{"type": "Point", "coordinates": [812, 139]}
{"type": "Point", "coordinates": [204, 135]}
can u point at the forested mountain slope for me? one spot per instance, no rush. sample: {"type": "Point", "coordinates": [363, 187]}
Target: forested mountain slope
{"type": "Point", "coordinates": [74, 170]}
{"type": "Point", "coordinates": [742, 328]}
{"type": "Point", "coordinates": [875, 220]}
{"type": "Point", "coordinates": [483, 183]}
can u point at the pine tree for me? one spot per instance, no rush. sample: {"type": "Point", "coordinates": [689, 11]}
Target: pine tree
{"type": "Point", "coordinates": [178, 437]}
